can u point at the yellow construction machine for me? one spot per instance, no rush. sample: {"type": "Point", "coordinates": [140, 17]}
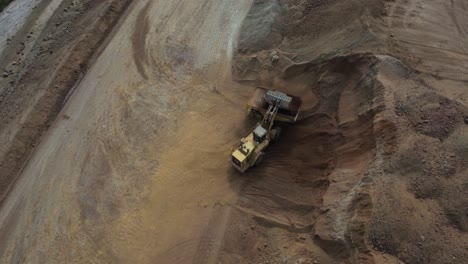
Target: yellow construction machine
{"type": "Point", "coordinates": [267, 106]}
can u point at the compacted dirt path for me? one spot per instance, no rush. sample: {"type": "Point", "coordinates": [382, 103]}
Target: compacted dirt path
{"type": "Point", "coordinates": [136, 160]}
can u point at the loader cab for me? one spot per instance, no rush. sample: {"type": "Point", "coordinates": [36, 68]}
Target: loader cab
{"type": "Point", "coordinates": [240, 157]}
{"type": "Point", "coordinates": [259, 134]}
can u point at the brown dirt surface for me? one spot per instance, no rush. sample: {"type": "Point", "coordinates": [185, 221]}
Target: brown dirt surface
{"type": "Point", "coordinates": [42, 79]}
{"type": "Point", "coordinates": [396, 185]}
{"type": "Point", "coordinates": [119, 118]}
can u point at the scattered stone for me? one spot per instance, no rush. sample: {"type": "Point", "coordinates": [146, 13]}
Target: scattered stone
{"type": "Point", "coordinates": [274, 58]}
{"type": "Point", "coordinates": [5, 74]}
{"type": "Point", "coordinates": [391, 35]}
{"type": "Point", "coordinates": [65, 9]}
{"type": "Point", "coordinates": [58, 24]}
{"type": "Point", "coordinates": [423, 238]}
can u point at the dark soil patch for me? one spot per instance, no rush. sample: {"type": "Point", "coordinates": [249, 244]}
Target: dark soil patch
{"type": "Point", "coordinates": [4, 3]}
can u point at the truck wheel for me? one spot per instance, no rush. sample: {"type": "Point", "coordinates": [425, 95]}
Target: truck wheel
{"type": "Point", "coordinates": [260, 158]}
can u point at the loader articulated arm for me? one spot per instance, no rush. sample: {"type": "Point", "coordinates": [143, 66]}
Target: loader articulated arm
{"type": "Point", "coordinates": [270, 115]}
{"type": "Point", "coordinates": [269, 106]}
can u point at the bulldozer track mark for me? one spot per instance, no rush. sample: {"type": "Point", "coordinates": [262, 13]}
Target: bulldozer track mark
{"type": "Point", "coordinates": [211, 241]}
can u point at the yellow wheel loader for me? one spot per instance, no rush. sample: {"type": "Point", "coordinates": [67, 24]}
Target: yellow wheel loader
{"type": "Point", "coordinates": [268, 106]}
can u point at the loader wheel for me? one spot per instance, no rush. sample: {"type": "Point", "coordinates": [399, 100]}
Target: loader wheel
{"type": "Point", "coordinates": [260, 158]}
{"type": "Point", "coordinates": [254, 114]}
{"type": "Point", "coordinates": [276, 133]}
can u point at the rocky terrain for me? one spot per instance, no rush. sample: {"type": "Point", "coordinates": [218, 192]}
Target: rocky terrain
{"type": "Point", "coordinates": [118, 117]}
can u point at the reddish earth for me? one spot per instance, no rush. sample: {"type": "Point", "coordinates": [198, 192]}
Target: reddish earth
{"type": "Point", "coordinates": [119, 118]}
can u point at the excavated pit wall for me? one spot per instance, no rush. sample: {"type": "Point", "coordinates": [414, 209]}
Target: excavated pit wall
{"type": "Point", "coordinates": [344, 177]}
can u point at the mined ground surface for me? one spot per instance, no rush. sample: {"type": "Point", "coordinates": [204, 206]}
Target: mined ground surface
{"type": "Point", "coordinates": [118, 118]}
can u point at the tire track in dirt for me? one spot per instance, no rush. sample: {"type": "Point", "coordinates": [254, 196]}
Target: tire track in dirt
{"type": "Point", "coordinates": [162, 65]}
{"type": "Point", "coordinates": [50, 101]}
{"type": "Point", "coordinates": [391, 13]}
{"type": "Point", "coordinates": [172, 56]}
{"type": "Point", "coordinates": [139, 40]}
{"type": "Point", "coordinates": [409, 9]}
{"type": "Point", "coordinates": [453, 9]}
{"type": "Point", "coordinates": [212, 239]}
{"type": "Point", "coordinates": [409, 22]}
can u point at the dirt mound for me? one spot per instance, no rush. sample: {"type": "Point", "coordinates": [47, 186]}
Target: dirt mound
{"type": "Point", "coordinates": [312, 183]}
{"type": "Point", "coordinates": [373, 170]}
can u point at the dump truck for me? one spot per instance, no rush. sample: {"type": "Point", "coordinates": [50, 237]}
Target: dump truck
{"type": "Point", "coordinates": [269, 107]}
